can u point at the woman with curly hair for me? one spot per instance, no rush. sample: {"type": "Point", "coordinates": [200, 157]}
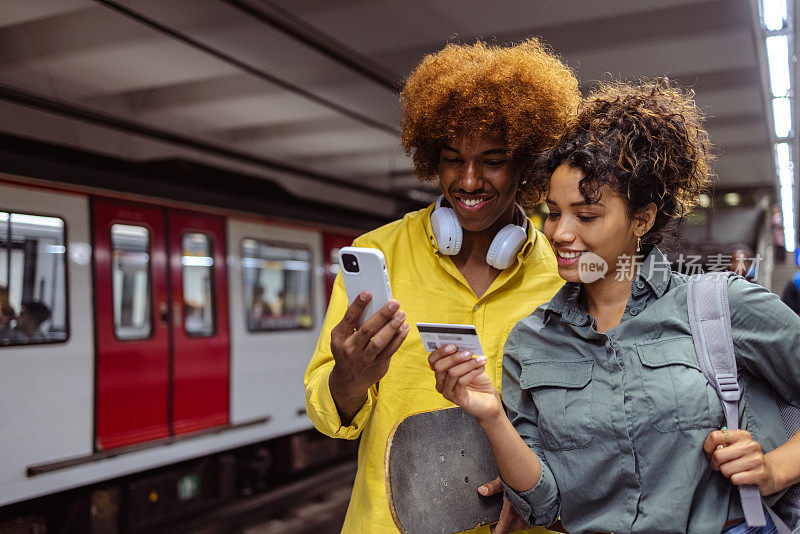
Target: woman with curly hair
{"type": "Point", "coordinates": [609, 421]}
{"type": "Point", "coordinates": [474, 119]}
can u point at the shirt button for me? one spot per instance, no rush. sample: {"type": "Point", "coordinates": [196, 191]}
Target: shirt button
{"type": "Point", "coordinates": [634, 311]}
{"type": "Point", "coordinates": [476, 307]}
{"type": "Point", "coordinates": [640, 284]}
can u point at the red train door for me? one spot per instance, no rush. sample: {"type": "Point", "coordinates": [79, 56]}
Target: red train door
{"type": "Point", "coordinates": [162, 323]}
{"type": "Point", "coordinates": [201, 363]}
{"type": "Point", "coordinates": [132, 321]}
{"type": "Point", "coordinates": [331, 243]}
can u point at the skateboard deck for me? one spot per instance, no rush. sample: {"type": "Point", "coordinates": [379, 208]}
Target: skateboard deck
{"type": "Point", "coordinates": [433, 466]}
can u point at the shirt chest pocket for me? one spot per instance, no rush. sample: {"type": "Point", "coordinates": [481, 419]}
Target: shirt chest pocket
{"type": "Point", "coordinates": [678, 395]}
{"type": "Point", "coordinates": [562, 393]}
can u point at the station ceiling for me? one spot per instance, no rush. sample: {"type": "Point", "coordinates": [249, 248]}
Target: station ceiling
{"type": "Point", "coordinates": [304, 92]}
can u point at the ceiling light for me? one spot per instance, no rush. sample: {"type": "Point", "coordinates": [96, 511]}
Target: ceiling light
{"type": "Point", "coordinates": [775, 14]}
{"type": "Point", "coordinates": [783, 159]}
{"type": "Point", "coordinates": [782, 116]}
{"type": "Point", "coordinates": [732, 199]}
{"type": "Point", "coordinates": [778, 60]}
{"type": "Point", "coordinates": [788, 218]}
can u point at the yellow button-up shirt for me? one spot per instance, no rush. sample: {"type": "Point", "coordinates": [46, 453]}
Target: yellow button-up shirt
{"type": "Point", "coordinates": [430, 289]}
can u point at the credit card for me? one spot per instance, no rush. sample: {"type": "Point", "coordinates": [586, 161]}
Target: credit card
{"type": "Point", "coordinates": [463, 336]}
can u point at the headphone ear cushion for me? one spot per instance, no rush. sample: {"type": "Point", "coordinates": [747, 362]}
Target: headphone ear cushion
{"type": "Point", "coordinates": [446, 230]}
{"type": "Point", "coordinates": [505, 246]}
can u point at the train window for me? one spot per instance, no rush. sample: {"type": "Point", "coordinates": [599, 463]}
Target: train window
{"type": "Point", "coordinates": [130, 267]}
{"type": "Point", "coordinates": [333, 266]}
{"type": "Point", "coordinates": [277, 285]}
{"type": "Point", "coordinates": [33, 306]}
{"type": "Point", "coordinates": [198, 285]}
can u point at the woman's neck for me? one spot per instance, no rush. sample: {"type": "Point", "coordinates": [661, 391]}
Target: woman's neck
{"type": "Point", "coordinates": [605, 299]}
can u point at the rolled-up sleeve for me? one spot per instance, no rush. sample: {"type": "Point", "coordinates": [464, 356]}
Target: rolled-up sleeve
{"type": "Point", "coordinates": [766, 335]}
{"type": "Point", "coordinates": [320, 407]}
{"type": "Point", "coordinates": [539, 505]}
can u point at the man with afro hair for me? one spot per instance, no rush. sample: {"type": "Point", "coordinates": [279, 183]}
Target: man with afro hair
{"type": "Point", "coordinates": [475, 118]}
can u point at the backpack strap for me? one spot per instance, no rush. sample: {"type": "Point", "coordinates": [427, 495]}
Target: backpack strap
{"type": "Point", "coordinates": [710, 321]}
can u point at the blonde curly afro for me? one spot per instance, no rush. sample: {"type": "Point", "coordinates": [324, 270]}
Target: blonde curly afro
{"type": "Point", "coordinates": [522, 94]}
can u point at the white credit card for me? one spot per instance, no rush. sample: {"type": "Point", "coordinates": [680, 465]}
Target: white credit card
{"type": "Point", "coordinates": [463, 336]}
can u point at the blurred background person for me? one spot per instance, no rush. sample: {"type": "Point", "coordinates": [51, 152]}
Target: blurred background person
{"type": "Point", "coordinates": [7, 312]}
{"type": "Point", "coordinates": [7, 316]}
{"type": "Point", "coordinates": [791, 293]}
{"type": "Point", "coordinates": [743, 261]}
{"type": "Point", "coordinates": [29, 321]}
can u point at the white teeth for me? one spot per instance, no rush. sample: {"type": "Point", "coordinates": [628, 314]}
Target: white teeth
{"type": "Point", "coordinates": [471, 202]}
{"type": "Point", "coordinates": [569, 255]}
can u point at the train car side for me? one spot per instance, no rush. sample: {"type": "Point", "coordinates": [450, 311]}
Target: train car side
{"type": "Point", "coordinates": [47, 389]}
{"type": "Point", "coordinates": [276, 276]}
{"type": "Point", "coordinates": [178, 375]}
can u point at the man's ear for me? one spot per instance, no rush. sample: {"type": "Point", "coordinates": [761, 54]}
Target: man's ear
{"type": "Point", "coordinates": [644, 219]}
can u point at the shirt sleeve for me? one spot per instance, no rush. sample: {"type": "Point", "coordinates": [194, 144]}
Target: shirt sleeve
{"type": "Point", "coordinates": [766, 335]}
{"type": "Point", "coordinates": [541, 504]}
{"type": "Point", "coordinates": [320, 407]}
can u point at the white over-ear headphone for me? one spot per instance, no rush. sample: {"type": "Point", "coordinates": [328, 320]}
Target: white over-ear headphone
{"type": "Point", "coordinates": [449, 234]}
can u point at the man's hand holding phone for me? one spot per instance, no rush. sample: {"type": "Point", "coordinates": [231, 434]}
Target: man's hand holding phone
{"type": "Point", "coordinates": [362, 354]}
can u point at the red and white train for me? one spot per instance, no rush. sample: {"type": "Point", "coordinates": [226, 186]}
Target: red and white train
{"type": "Point", "coordinates": [167, 367]}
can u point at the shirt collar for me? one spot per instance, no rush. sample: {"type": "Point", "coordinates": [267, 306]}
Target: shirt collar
{"type": "Point", "coordinates": [565, 303]}
{"type": "Point", "coordinates": [654, 272]}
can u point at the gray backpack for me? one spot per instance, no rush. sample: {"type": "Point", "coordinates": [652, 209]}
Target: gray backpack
{"type": "Point", "coordinates": [710, 320]}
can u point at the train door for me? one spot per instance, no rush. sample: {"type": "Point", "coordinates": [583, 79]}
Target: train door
{"type": "Point", "coordinates": [331, 243]}
{"type": "Point", "coordinates": [132, 324]}
{"type": "Point", "coordinates": [162, 329]}
{"type": "Point", "coordinates": [201, 363]}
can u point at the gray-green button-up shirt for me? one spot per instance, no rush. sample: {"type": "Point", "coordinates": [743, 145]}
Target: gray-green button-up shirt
{"type": "Point", "coordinates": [618, 420]}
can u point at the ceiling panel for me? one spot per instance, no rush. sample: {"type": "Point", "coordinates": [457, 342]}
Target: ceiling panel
{"type": "Point", "coordinates": [309, 83]}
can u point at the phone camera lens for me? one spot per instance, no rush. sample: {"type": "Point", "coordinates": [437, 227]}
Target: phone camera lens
{"type": "Point", "coordinates": [350, 263]}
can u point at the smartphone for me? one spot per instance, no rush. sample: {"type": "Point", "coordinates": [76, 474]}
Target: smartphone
{"type": "Point", "coordinates": [365, 269]}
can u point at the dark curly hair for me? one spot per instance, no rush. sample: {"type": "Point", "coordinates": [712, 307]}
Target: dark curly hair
{"type": "Point", "coordinates": [522, 94]}
{"type": "Point", "coordinates": [646, 141]}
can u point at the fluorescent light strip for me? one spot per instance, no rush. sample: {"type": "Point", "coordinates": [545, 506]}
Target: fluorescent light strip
{"type": "Point", "coordinates": [775, 13]}
{"type": "Point", "coordinates": [788, 218]}
{"type": "Point", "coordinates": [783, 159]}
{"type": "Point", "coordinates": [778, 60]}
{"type": "Point", "coordinates": [782, 116]}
